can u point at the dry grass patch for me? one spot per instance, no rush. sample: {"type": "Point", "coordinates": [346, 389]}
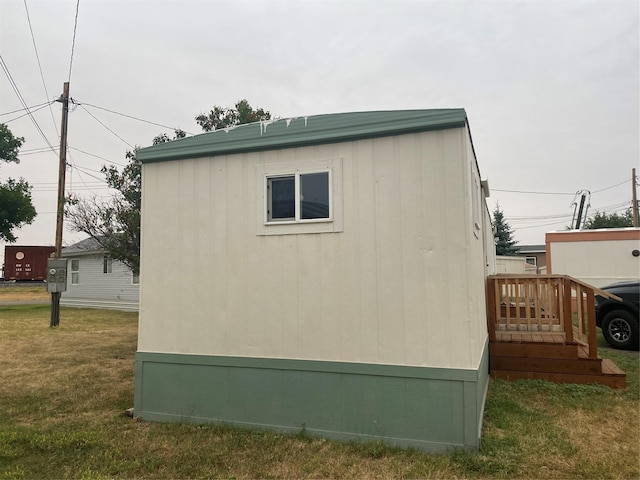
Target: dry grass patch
{"type": "Point", "coordinates": [607, 440]}
{"type": "Point", "coordinates": [13, 293]}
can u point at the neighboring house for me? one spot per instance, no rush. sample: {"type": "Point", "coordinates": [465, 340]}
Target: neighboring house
{"type": "Point", "coordinates": [535, 257]}
{"type": "Point", "coordinates": [598, 257]}
{"type": "Point", "coordinates": [95, 280]}
{"type": "Point", "coordinates": [323, 274]}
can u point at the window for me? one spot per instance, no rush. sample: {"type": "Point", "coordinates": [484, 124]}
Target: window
{"type": "Point", "coordinates": [75, 272]}
{"type": "Point", "coordinates": [531, 260]}
{"type": "Point", "coordinates": [299, 197]}
{"type": "Point", "coordinates": [107, 264]}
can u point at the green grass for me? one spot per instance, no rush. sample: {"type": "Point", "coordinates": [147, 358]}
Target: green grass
{"type": "Point", "coordinates": [63, 392]}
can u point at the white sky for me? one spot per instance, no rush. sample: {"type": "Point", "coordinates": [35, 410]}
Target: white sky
{"type": "Point", "coordinates": [551, 89]}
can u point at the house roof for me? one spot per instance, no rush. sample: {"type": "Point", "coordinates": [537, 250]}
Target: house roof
{"type": "Point", "coordinates": [530, 248]}
{"type": "Point", "coordinates": [84, 247]}
{"type": "Point", "coordinates": [304, 131]}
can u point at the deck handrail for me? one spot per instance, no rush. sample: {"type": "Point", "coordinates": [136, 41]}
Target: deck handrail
{"type": "Point", "coordinates": [550, 304]}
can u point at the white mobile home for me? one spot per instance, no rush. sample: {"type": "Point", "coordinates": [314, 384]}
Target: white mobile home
{"type": "Point", "coordinates": [94, 280]}
{"type": "Point", "coordinates": [324, 273]}
{"type": "Point", "coordinates": [598, 257]}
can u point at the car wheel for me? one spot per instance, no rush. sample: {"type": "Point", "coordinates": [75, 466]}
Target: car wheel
{"type": "Point", "coordinates": [620, 330]}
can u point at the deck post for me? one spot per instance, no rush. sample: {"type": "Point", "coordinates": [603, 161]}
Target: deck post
{"type": "Point", "coordinates": [491, 309]}
{"type": "Point", "coordinates": [567, 310]}
{"type": "Point", "coordinates": [591, 324]}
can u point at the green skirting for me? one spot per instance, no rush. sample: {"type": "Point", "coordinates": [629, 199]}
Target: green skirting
{"type": "Point", "coordinates": [431, 409]}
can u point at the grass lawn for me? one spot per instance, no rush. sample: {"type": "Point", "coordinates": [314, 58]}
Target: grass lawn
{"type": "Point", "coordinates": [13, 293]}
{"type": "Point", "coordinates": [63, 392]}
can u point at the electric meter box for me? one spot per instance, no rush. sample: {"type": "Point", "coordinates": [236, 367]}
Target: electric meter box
{"type": "Point", "coordinates": [57, 275]}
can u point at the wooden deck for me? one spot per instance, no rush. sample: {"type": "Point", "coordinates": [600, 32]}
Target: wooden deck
{"type": "Point", "coordinates": [548, 331]}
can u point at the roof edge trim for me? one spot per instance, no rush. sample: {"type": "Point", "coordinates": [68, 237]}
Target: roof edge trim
{"type": "Point", "coordinates": [304, 131]}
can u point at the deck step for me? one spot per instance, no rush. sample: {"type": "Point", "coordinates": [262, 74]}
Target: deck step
{"type": "Point", "coordinates": [534, 350]}
{"type": "Point", "coordinates": [579, 366]}
{"type": "Point", "coordinates": [611, 369]}
{"type": "Point", "coordinates": [555, 338]}
{"type": "Point", "coordinates": [612, 381]}
{"type": "Point", "coordinates": [560, 363]}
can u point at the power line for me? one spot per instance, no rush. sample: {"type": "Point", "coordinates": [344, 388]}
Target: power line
{"type": "Point", "coordinates": [84, 170]}
{"type": "Point", "coordinates": [531, 193]}
{"type": "Point", "coordinates": [97, 156]}
{"type": "Point", "coordinates": [538, 226]}
{"type": "Point", "coordinates": [73, 43]}
{"type": "Point", "coordinates": [522, 219]}
{"type": "Point", "coordinates": [567, 218]}
{"type": "Point", "coordinates": [44, 84]}
{"type": "Point", "coordinates": [24, 104]}
{"type": "Point", "coordinates": [28, 108]}
{"type": "Point", "coordinates": [29, 112]}
{"type": "Point", "coordinates": [132, 117]}
{"type": "Point", "coordinates": [556, 193]}
{"type": "Point", "coordinates": [114, 133]}
{"type": "Point", "coordinates": [612, 186]}
{"type": "Point", "coordinates": [34, 151]}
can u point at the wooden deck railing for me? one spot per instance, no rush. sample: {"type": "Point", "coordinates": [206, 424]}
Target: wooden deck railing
{"type": "Point", "coordinates": [543, 305]}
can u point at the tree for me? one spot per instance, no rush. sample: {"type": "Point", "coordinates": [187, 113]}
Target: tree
{"type": "Point", "coordinates": [9, 145]}
{"type": "Point", "coordinates": [220, 117]}
{"type": "Point", "coordinates": [505, 243]}
{"type": "Point", "coordinates": [115, 223]}
{"type": "Point", "coordinates": [612, 220]}
{"type": "Point", "coordinates": [16, 206]}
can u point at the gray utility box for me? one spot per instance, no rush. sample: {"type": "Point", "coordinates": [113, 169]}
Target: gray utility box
{"type": "Point", "coordinates": [57, 275]}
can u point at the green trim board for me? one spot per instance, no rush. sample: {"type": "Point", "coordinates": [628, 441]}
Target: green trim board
{"type": "Point", "coordinates": [304, 131]}
{"type": "Point", "coordinates": [432, 409]}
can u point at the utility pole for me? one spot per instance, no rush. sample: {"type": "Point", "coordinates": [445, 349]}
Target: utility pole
{"type": "Point", "coordinates": [634, 197]}
{"type": "Point", "coordinates": [55, 296]}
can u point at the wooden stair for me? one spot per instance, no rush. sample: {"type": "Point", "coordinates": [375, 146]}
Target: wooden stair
{"type": "Point", "coordinates": [546, 356]}
{"type": "Point", "coordinates": [544, 327]}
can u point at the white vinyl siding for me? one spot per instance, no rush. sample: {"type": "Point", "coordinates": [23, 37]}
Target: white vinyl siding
{"type": "Point", "coordinates": [96, 287]}
{"type": "Point", "coordinates": [401, 273]}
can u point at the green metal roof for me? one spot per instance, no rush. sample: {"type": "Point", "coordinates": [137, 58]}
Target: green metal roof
{"type": "Point", "coordinates": [304, 131]}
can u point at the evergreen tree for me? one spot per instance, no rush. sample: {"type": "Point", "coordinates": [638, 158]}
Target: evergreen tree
{"type": "Point", "coordinates": [505, 243]}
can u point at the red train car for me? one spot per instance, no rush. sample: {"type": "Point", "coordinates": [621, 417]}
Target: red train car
{"type": "Point", "coordinates": [26, 263]}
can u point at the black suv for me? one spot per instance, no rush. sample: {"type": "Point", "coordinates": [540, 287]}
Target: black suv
{"type": "Point", "coordinates": [619, 320]}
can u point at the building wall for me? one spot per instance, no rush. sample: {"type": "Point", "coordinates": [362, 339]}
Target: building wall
{"type": "Point", "coordinates": [541, 261]}
{"type": "Point", "coordinates": [376, 330]}
{"type": "Point", "coordinates": [405, 272]}
{"type": "Point", "coordinates": [506, 264]}
{"type": "Point", "coordinates": [598, 257]}
{"type": "Point", "coordinates": [427, 408]}
{"type": "Point", "coordinates": [100, 290]}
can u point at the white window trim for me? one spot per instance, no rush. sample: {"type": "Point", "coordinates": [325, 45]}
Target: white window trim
{"type": "Point", "coordinates": [107, 265]}
{"type": "Point", "coordinates": [75, 271]}
{"type": "Point", "coordinates": [297, 168]}
{"type": "Point", "coordinates": [297, 218]}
